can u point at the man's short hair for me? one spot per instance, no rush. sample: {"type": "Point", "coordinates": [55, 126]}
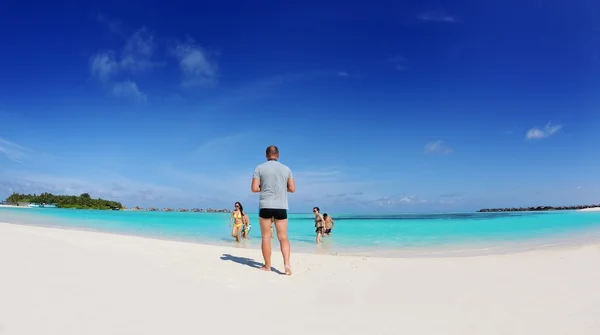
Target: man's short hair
{"type": "Point", "coordinates": [272, 150]}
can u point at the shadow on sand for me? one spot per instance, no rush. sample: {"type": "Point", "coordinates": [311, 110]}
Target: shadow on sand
{"type": "Point", "coordinates": [248, 262]}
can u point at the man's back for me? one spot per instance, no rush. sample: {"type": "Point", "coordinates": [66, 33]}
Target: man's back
{"type": "Point", "coordinates": [273, 178]}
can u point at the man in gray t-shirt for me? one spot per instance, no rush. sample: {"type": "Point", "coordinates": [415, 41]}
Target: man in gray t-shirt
{"type": "Point", "coordinates": [273, 180]}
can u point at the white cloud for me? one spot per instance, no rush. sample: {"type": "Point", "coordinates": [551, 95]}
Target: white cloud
{"type": "Point", "coordinates": [437, 16]}
{"type": "Point", "coordinates": [400, 200]}
{"type": "Point", "coordinates": [438, 147]}
{"type": "Point", "coordinates": [12, 151]}
{"type": "Point", "coordinates": [128, 89]}
{"type": "Point", "coordinates": [196, 66]}
{"type": "Point", "coordinates": [104, 65]}
{"type": "Point", "coordinates": [537, 133]}
{"type": "Point", "coordinates": [343, 74]}
{"type": "Point", "coordinates": [135, 57]}
{"type": "Point", "coordinates": [138, 51]}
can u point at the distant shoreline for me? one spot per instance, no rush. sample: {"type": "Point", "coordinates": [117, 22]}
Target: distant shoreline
{"type": "Point", "coordinates": [586, 208]}
{"type": "Point", "coordinates": [12, 206]}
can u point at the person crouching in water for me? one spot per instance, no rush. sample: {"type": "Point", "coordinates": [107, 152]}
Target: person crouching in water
{"type": "Point", "coordinates": [238, 217]}
{"type": "Point", "coordinates": [319, 224]}
{"type": "Point", "coordinates": [328, 224]}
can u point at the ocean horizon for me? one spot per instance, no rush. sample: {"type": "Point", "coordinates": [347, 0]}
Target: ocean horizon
{"type": "Point", "coordinates": [393, 235]}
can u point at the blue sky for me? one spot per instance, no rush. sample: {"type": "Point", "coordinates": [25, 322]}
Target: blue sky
{"type": "Point", "coordinates": [394, 106]}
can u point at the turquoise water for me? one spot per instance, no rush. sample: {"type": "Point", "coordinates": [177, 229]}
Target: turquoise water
{"type": "Point", "coordinates": [352, 233]}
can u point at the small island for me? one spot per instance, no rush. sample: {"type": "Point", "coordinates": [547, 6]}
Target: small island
{"type": "Point", "coordinates": [83, 201]}
{"type": "Point", "coordinates": [538, 208]}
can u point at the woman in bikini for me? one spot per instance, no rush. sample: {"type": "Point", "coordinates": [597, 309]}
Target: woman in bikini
{"type": "Point", "coordinates": [319, 224]}
{"type": "Point", "coordinates": [238, 217]}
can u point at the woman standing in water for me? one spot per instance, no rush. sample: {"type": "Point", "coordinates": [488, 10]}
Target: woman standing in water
{"type": "Point", "coordinates": [238, 217]}
{"type": "Point", "coordinates": [319, 224]}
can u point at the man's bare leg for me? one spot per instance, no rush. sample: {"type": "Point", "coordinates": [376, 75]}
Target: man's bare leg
{"type": "Point", "coordinates": [284, 243]}
{"type": "Point", "coordinates": [266, 235]}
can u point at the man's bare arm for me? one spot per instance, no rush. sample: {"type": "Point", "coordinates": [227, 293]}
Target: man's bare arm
{"type": "Point", "coordinates": [291, 185]}
{"type": "Point", "coordinates": [255, 185]}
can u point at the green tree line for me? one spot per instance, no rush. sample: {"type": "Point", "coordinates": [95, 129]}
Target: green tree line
{"type": "Point", "coordinates": [84, 201]}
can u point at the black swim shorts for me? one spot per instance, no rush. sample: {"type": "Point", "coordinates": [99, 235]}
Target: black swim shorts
{"type": "Point", "coordinates": [270, 213]}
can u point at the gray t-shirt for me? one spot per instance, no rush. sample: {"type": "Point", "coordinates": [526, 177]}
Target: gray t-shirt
{"type": "Point", "coordinates": [273, 178]}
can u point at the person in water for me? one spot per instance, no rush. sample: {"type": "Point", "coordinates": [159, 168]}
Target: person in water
{"type": "Point", "coordinates": [319, 224]}
{"type": "Point", "coordinates": [246, 228]}
{"type": "Point", "coordinates": [328, 224]}
{"type": "Point", "coordinates": [238, 217]}
{"type": "Point", "coordinates": [273, 181]}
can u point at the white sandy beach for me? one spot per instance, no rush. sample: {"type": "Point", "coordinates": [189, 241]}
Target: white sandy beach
{"type": "Point", "coordinates": [591, 209]}
{"type": "Point", "coordinates": [55, 281]}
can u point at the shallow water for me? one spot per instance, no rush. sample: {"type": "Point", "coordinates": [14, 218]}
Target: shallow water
{"type": "Point", "coordinates": [382, 235]}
